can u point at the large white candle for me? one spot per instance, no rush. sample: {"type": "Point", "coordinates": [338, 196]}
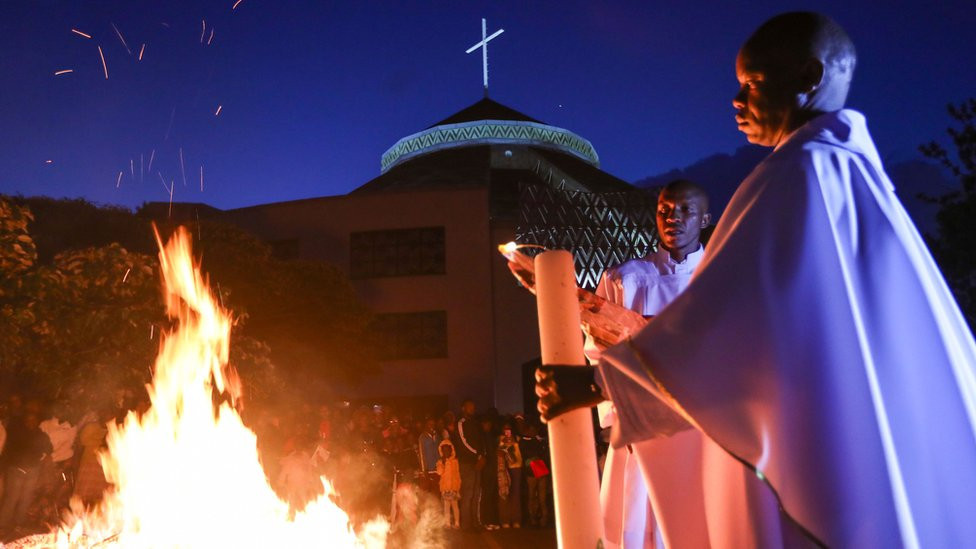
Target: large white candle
{"type": "Point", "coordinates": [575, 480]}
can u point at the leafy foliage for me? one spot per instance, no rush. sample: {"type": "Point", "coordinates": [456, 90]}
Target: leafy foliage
{"type": "Point", "coordinates": [81, 314]}
{"type": "Point", "coordinates": [80, 323]}
{"type": "Point", "coordinates": [60, 225]}
{"type": "Point", "coordinates": [954, 245]}
{"type": "Point", "coordinates": [17, 256]}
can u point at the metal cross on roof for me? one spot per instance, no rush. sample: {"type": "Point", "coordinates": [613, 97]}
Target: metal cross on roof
{"type": "Point", "coordinates": [484, 50]}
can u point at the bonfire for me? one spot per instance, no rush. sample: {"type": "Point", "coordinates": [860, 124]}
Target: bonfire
{"type": "Point", "coordinates": [186, 473]}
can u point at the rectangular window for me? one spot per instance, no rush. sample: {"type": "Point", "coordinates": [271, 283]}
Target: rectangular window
{"type": "Point", "coordinates": [407, 336]}
{"type": "Point", "coordinates": [398, 252]}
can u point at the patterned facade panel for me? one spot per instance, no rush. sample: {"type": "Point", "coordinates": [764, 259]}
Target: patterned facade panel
{"type": "Point", "coordinates": [488, 131]}
{"type": "Point", "coordinates": [601, 229]}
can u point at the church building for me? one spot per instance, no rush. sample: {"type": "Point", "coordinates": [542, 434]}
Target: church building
{"type": "Point", "coordinates": [419, 242]}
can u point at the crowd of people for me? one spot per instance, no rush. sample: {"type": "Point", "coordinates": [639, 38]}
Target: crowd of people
{"type": "Point", "coordinates": [43, 462]}
{"type": "Point", "coordinates": [488, 471]}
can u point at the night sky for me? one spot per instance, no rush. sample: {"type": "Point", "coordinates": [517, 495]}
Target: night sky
{"type": "Point", "coordinates": [311, 93]}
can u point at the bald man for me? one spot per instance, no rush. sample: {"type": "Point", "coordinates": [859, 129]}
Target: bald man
{"type": "Point", "coordinates": [637, 491]}
{"type": "Point", "coordinates": [817, 343]}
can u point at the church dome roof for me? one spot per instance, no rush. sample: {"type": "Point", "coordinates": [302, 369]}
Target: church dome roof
{"type": "Point", "coordinates": [486, 109]}
{"type": "Point", "coordinates": [488, 122]}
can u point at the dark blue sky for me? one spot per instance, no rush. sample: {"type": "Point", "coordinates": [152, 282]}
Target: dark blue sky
{"type": "Point", "coordinates": [313, 92]}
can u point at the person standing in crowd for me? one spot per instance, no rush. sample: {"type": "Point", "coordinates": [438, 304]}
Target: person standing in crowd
{"type": "Point", "coordinates": [27, 447]}
{"type": "Point", "coordinates": [55, 482]}
{"type": "Point", "coordinates": [90, 481]}
{"type": "Point", "coordinates": [535, 450]}
{"type": "Point", "coordinates": [469, 446]}
{"type": "Point", "coordinates": [488, 507]}
{"type": "Point", "coordinates": [449, 483]}
{"type": "Point", "coordinates": [450, 426]}
{"type": "Point", "coordinates": [325, 422]}
{"type": "Point", "coordinates": [509, 479]}
{"type": "Point", "coordinates": [13, 409]}
{"type": "Point", "coordinates": [427, 451]}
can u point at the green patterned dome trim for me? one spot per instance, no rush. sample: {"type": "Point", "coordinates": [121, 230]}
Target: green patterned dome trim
{"type": "Point", "coordinates": [481, 132]}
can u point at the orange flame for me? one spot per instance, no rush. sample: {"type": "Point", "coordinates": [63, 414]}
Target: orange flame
{"type": "Point", "coordinates": [186, 474]}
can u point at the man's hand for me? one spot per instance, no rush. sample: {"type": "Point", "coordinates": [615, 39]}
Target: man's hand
{"type": "Point", "coordinates": [564, 388]}
{"type": "Point", "coordinates": [525, 276]}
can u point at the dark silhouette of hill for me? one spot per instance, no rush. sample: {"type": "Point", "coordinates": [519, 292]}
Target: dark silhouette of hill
{"type": "Point", "coordinates": [720, 174]}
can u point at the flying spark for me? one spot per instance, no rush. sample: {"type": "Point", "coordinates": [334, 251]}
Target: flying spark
{"type": "Point", "coordinates": [218, 110]}
{"type": "Point", "coordinates": [63, 71]}
{"type": "Point", "coordinates": [104, 66]}
{"type": "Point", "coordinates": [172, 186]}
{"type": "Point", "coordinates": [132, 168]}
{"type": "Point", "coordinates": [119, 180]}
{"type": "Point", "coordinates": [152, 330]}
{"type": "Point", "coordinates": [163, 181]}
{"type": "Point", "coordinates": [126, 276]}
{"type": "Point", "coordinates": [141, 51]}
{"type": "Point", "coordinates": [182, 167]}
{"type": "Point", "coordinates": [204, 31]}
{"type": "Point", "coordinates": [49, 162]}
{"type": "Point", "coordinates": [78, 32]}
{"type": "Point", "coordinates": [201, 178]}
{"type": "Point", "coordinates": [234, 7]}
{"type": "Point", "coordinates": [151, 156]}
{"type": "Point", "coordinates": [119, 34]}
{"type": "Point", "coordinates": [209, 40]}
{"type": "Point", "coordinates": [170, 126]}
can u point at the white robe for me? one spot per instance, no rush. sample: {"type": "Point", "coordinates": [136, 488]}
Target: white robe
{"type": "Point", "coordinates": [818, 343]}
{"type": "Point", "coordinates": [628, 521]}
{"type": "Point", "coordinates": [646, 286]}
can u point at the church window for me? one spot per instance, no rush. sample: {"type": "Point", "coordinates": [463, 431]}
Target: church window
{"type": "Point", "coordinates": [411, 336]}
{"type": "Point", "coordinates": [398, 252]}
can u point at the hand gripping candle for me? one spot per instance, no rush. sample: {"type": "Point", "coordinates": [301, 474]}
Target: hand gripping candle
{"type": "Point", "coordinates": [576, 487]}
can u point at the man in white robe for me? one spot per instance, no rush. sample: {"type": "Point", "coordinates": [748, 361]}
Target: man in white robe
{"type": "Point", "coordinates": [646, 286]}
{"type": "Point", "coordinates": [817, 342]}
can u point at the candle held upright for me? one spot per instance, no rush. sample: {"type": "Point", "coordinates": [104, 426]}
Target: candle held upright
{"type": "Point", "coordinates": [576, 488]}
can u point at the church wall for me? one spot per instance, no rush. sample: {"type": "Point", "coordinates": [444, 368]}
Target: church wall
{"type": "Point", "coordinates": [516, 327]}
{"type": "Point", "coordinates": [322, 228]}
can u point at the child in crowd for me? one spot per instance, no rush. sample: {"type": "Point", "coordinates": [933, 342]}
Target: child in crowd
{"type": "Point", "coordinates": [509, 479]}
{"type": "Point", "coordinates": [450, 484]}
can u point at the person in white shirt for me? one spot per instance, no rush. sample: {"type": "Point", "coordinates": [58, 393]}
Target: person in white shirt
{"type": "Point", "coordinates": [62, 435]}
{"type": "Point", "coordinates": [817, 343]}
{"type": "Point", "coordinates": [646, 285]}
